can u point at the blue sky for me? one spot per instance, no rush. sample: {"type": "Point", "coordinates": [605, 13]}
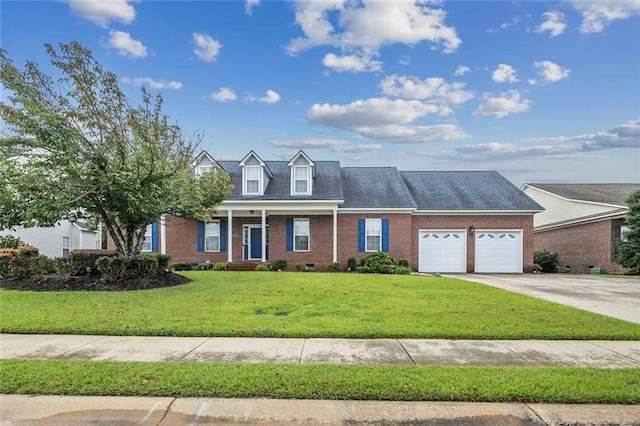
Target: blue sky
{"type": "Point", "coordinates": [540, 91]}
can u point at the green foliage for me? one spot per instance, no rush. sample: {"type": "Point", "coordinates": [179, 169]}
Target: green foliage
{"type": "Point", "coordinates": [301, 267]}
{"type": "Point", "coordinates": [204, 267]}
{"type": "Point", "coordinates": [163, 260]}
{"type": "Point", "coordinates": [403, 262]}
{"type": "Point", "coordinates": [402, 270]}
{"type": "Point", "coordinates": [546, 259]}
{"type": "Point", "coordinates": [21, 266]}
{"type": "Point", "coordinates": [363, 269]}
{"type": "Point", "coordinates": [628, 249]}
{"type": "Point", "coordinates": [220, 266]}
{"type": "Point", "coordinates": [115, 269]}
{"type": "Point", "coordinates": [46, 265]}
{"type": "Point", "coordinates": [351, 264]}
{"type": "Point", "coordinates": [379, 263]}
{"type": "Point", "coordinates": [182, 266]}
{"type": "Point", "coordinates": [88, 153]}
{"type": "Point", "coordinates": [83, 262]}
{"type": "Point", "coordinates": [9, 241]}
{"type": "Point", "coordinates": [333, 267]}
{"type": "Point", "coordinates": [278, 265]}
{"type": "Point", "coordinates": [64, 266]}
{"type": "Point", "coordinates": [21, 262]}
{"type": "Point", "coordinates": [262, 267]}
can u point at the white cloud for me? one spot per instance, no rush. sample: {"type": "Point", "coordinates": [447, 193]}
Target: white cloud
{"type": "Point", "coordinates": [367, 25]}
{"type": "Point", "coordinates": [504, 74]}
{"type": "Point", "coordinates": [461, 70]}
{"type": "Point", "coordinates": [373, 112]}
{"type": "Point", "coordinates": [334, 145]}
{"type": "Point", "coordinates": [514, 21]}
{"type": "Point", "coordinates": [350, 63]}
{"type": "Point", "coordinates": [125, 45]}
{"type": "Point", "coordinates": [223, 95]}
{"type": "Point", "coordinates": [206, 48]}
{"type": "Point", "coordinates": [435, 89]}
{"type": "Point", "coordinates": [404, 60]}
{"type": "Point", "coordinates": [249, 5]}
{"type": "Point", "coordinates": [532, 81]}
{"type": "Point", "coordinates": [271, 97]}
{"type": "Point", "coordinates": [597, 15]}
{"type": "Point", "coordinates": [153, 84]}
{"type": "Point", "coordinates": [415, 134]}
{"type": "Point", "coordinates": [550, 71]}
{"type": "Point", "coordinates": [554, 23]}
{"type": "Point", "coordinates": [507, 103]}
{"type": "Point", "coordinates": [101, 12]}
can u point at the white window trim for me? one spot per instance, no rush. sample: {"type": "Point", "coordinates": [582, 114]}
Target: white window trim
{"type": "Point", "coordinates": [219, 237]}
{"type": "Point", "coordinates": [366, 245]}
{"type": "Point", "coordinates": [308, 234]}
{"type": "Point", "coordinates": [307, 178]}
{"type": "Point", "coordinates": [244, 180]}
{"type": "Point", "coordinates": [203, 169]}
{"type": "Point", "coordinates": [69, 245]}
{"type": "Point", "coordinates": [149, 230]}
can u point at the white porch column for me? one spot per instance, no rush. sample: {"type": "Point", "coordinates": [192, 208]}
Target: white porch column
{"type": "Point", "coordinates": [229, 236]}
{"type": "Point", "coordinates": [163, 235]}
{"type": "Point", "coordinates": [264, 236]}
{"type": "Point", "coordinates": [335, 235]}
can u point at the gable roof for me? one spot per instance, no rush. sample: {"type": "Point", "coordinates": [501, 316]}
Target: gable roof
{"type": "Point", "coordinates": [475, 191]}
{"type": "Point", "coordinates": [375, 187]}
{"type": "Point", "coordinates": [606, 193]}
{"type": "Point", "coordinates": [257, 157]}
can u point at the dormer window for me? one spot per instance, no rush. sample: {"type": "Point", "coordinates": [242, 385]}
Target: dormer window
{"type": "Point", "coordinates": [255, 174]}
{"type": "Point", "coordinates": [303, 170]}
{"type": "Point", "coordinates": [252, 180]}
{"type": "Point", "coordinates": [200, 170]}
{"type": "Point", "coordinates": [204, 163]}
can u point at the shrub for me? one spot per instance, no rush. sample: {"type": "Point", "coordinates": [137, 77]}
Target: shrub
{"type": "Point", "coordinates": [20, 262]}
{"type": "Point", "coordinates": [9, 241]}
{"type": "Point", "coordinates": [84, 261]}
{"type": "Point", "coordinates": [546, 259]}
{"type": "Point", "coordinates": [6, 254]}
{"type": "Point", "coordinates": [220, 266]}
{"type": "Point", "coordinates": [27, 251]}
{"type": "Point", "coordinates": [300, 267]}
{"type": "Point", "coordinates": [46, 265]}
{"type": "Point", "coordinates": [379, 262]}
{"type": "Point", "coordinates": [403, 262]}
{"type": "Point", "coordinates": [182, 266]}
{"type": "Point", "coordinates": [363, 269]}
{"type": "Point", "coordinates": [116, 269]}
{"type": "Point", "coordinates": [21, 266]}
{"type": "Point", "coordinates": [163, 261]}
{"type": "Point", "coordinates": [333, 267]}
{"type": "Point", "coordinates": [63, 265]}
{"type": "Point", "coordinates": [204, 267]}
{"type": "Point", "coordinates": [278, 265]}
{"type": "Point", "coordinates": [351, 264]}
{"type": "Point", "coordinates": [262, 267]}
{"type": "Point", "coordinates": [402, 270]}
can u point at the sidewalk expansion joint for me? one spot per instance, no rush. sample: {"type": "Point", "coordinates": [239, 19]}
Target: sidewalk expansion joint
{"type": "Point", "coordinates": [615, 352]}
{"type": "Point", "coordinates": [517, 354]}
{"type": "Point", "coordinates": [85, 344]}
{"type": "Point", "coordinates": [167, 411]}
{"type": "Point", "coordinates": [304, 342]}
{"type": "Point", "coordinates": [406, 351]}
{"type": "Point", "coordinates": [194, 348]}
{"type": "Point", "coordinates": [535, 413]}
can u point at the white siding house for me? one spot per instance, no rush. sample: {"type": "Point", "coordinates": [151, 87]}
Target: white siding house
{"type": "Point", "coordinates": [59, 240]}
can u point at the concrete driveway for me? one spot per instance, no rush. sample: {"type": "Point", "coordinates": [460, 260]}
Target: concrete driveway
{"type": "Point", "coordinates": [615, 297]}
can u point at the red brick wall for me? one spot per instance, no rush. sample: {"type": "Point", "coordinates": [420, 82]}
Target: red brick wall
{"type": "Point", "coordinates": [581, 246]}
{"type": "Point", "coordinates": [478, 222]}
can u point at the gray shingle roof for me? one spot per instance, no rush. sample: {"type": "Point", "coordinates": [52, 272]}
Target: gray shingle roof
{"type": "Point", "coordinates": [326, 186]}
{"type": "Point", "coordinates": [608, 193]}
{"type": "Point", "coordinates": [466, 191]}
{"type": "Point", "coordinates": [375, 187]}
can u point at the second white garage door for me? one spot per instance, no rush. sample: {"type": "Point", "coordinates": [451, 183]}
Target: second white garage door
{"type": "Point", "coordinates": [499, 251]}
{"type": "Point", "coordinates": [442, 251]}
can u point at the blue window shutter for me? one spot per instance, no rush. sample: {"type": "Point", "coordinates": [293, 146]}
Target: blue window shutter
{"type": "Point", "coordinates": [200, 235]}
{"type": "Point", "coordinates": [385, 235]}
{"type": "Point", "coordinates": [223, 234]}
{"type": "Point", "coordinates": [361, 240]}
{"type": "Point", "coordinates": [154, 236]}
{"type": "Point", "coordinates": [290, 234]}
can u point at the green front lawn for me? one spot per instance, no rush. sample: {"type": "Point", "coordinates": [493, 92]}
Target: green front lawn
{"type": "Point", "coordinates": [287, 304]}
{"type": "Point", "coordinates": [405, 383]}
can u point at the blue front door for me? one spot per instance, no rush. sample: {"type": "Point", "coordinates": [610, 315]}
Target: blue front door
{"type": "Point", "coordinates": [256, 243]}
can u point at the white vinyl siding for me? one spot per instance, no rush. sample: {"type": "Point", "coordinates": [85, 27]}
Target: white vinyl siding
{"type": "Point", "coordinates": [66, 245]}
{"type": "Point", "coordinates": [373, 234]}
{"type": "Point", "coordinates": [49, 240]}
{"type": "Point", "coordinates": [252, 180]}
{"type": "Point", "coordinates": [146, 244]}
{"type": "Point", "coordinates": [200, 170]}
{"type": "Point", "coordinates": [301, 235]}
{"type": "Point", "coordinates": [212, 236]}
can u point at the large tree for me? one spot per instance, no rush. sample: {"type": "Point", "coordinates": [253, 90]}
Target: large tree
{"type": "Point", "coordinates": [85, 152]}
{"type": "Point", "coordinates": [628, 253]}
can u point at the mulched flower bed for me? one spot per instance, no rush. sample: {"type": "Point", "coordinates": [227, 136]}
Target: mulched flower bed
{"type": "Point", "coordinates": [89, 283]}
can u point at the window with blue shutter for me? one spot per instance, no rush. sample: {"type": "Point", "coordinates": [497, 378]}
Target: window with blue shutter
{"type": "Point", "coordinates": [200, 235]}
{"type": "Point", "coordinates": [154, 236]}
{"type": "Point", "coordinates": [290, 234]}
{"type": "Point", "coordinates": [223, 234]}
{"type": "Point", "coordinates": [361, 234]}
{"type": "Point", "coordinates": [385, 235]}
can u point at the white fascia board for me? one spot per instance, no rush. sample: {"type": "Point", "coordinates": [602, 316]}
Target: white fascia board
{"type": "Point", "coordinates": [475, 212]}
{"type": "Point", "coordinates": [580, 221]}
{"type": "Point", "coordinates": [376, 210]}
{"type": "Point", "coordinates": [575, 199]}
{"type": "Point", "coordinates": [280, 205]}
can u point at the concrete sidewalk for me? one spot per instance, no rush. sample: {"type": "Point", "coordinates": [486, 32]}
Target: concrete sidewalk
{"type": "Point", "coordinates": [85, 410]}
{"type": "Point", "coordinates": [600, 354]}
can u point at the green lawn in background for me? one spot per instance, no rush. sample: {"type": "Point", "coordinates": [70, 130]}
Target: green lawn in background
{"type": "Point", "coordinates": [288, 304]}
{"type": "Point", "coordinates": [405, 383]}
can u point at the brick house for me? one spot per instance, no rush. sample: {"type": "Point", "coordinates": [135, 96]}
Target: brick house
{"type": "Point", "coordinates": [581, 222]}
{"type": "Point", "coordinates": [316, 212]}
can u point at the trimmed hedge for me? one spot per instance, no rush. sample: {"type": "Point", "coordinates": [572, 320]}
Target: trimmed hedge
{"type": "Point", "coordinates": [83, 262]}
{"type": "Point", "coordinates": [120, 268]}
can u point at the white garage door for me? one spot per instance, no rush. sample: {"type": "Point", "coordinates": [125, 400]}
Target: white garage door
{"type": "Point", "coordinates": [499, 251]}
{"type": "Point", "coordinates": [442, 251]}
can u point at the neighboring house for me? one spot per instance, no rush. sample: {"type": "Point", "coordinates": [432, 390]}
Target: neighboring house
{"type": "Point", "coordinates": [59, 240]}
{"type": "Point", "coordinates": [316, 212]}
{"type": "Point", "coordinates": [581, 222]}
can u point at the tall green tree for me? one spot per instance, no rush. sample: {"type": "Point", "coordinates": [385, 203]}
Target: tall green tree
{"type": "Point", "coordinates": [628, 253]}
{"type": "Point", "coordinates": [85, 152]}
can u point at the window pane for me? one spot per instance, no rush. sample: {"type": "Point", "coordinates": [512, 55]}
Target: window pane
{"type": "Point", "coordinates": [212, 228]}
{"type": "Point", "coordinates": [301, 243]}
{"type": "Point", "coordinates": [373, 243]}
{"type": "Point", "coordinates": [212, 243]}
{"type": "Point", "coordinates": [301, 227]}
{"type": "Point", "coordinates": [252, 172]}
{"type": "Point", "coordinates": [253, 187]}
{"type": "Point", "coordinates": [300, 187]}
{"type": "Point", "coordinates": [374, 226]}
{"type": "Point", "coordinates": [146, 243]}
{"type": "Point", "coordinates": [300, 173]}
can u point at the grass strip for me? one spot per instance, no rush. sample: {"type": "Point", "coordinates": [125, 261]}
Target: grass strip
{"type": "Point", "coordinates": [334, 382]}
{"type": "Point", "coordinates": [254, 304]}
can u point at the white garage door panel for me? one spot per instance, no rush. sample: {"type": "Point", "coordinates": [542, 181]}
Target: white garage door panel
{"type": "Point", "coordinates": [498, 251]}
{"type": "Point", "coordinates": [442, 251]}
